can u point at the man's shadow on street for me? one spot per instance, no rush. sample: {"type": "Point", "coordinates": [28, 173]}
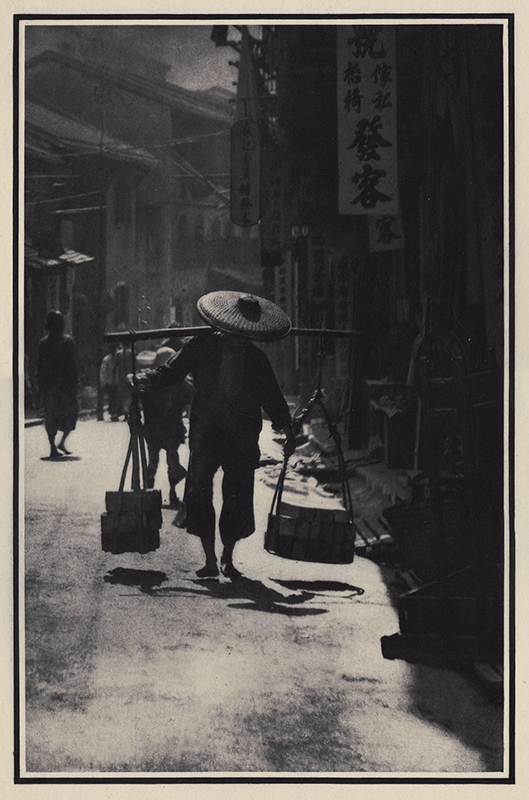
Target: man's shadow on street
{"type": "Point", "coordinates": [260, 596]}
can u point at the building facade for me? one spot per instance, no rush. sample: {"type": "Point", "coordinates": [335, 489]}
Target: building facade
{"type": "Point", "coordinates": [383, 168]}
{"type": "Point", "coordinates": [133, 173]}
{"type": "Point", "coordinates": [336, 251]}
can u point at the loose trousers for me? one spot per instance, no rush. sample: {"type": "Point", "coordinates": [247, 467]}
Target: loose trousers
{"type": "Point", "coordinates": [236, 452]}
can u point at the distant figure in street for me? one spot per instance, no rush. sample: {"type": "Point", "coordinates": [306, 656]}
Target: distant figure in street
{"type": "Point", "coordinates": [164, 428]}
{"type": "Point", "coordinates": [108, 380]}
{"type": "Point", "coordinates": [123, 364]}
{"type": "Point", "coordinates": [57, 382]}
{"type": "Point", "coordinates": [233, 382]}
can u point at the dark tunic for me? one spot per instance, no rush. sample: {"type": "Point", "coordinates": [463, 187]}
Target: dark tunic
{"type": "Point", "coordinates": [164, 428]}
{"type": "Point", "coordinates": [162, 413]}
{"type": "Point", "coordinates": [57, 381]}
{"type": "Point", "coordinates": [232, 386]}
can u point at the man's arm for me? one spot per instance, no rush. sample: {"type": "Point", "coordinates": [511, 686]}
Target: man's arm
{"type": "Point", "coordinates": [173, 371]}
{"type": "Point", "coordinates": [274, 403]}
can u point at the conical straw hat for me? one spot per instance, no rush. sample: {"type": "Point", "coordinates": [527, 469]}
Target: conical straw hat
{"type": "Point", "coordinates": [244, 315]}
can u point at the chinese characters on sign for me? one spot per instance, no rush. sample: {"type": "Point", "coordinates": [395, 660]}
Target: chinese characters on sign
{"type": "Point", "coordinates": [283, 286]}
{"type": "Point", "coordinates": [245, 166]}
{"type": "Point", "coordinates": [245, 143]}
{"type": "Point", "coordinates": [274, 210]}
{"type": "Point", "coordinates": [367, 120]}
{"type": "Point", "coordinates": [385, 232]}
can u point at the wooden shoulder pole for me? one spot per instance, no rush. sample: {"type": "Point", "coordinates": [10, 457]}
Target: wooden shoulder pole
{"type": "Point", "coordinates": [164, 333]}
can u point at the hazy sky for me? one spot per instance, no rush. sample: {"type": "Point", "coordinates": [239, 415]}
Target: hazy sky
{"type": "Point", "coordinates": [194, 60]}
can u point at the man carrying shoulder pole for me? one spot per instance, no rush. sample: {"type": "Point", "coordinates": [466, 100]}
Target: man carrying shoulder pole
{"type": "Point", "coordinates": [233, 382]}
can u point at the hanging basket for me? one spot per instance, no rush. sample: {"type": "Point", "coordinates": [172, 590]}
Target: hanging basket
{"type": "Point", "coordinates": [132, 521]}
{"type": "Point", "coordinates": [302, 533]}
{"type": "Point", "coordinates": [325, 536]}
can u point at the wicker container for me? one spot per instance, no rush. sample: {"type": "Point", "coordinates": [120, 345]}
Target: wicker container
{"type": "Point", "coordinates": [319, 535]}
{"type": "Point", "coordinates": [305, 533]}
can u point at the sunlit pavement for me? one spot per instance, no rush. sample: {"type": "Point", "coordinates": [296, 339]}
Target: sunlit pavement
{"type": "Point", "coordinates": [267, 675]}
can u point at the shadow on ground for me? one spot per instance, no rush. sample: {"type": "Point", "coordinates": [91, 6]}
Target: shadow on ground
{"type": "Point", "coordinates": [325, 588]}
{"type": "Point", "coordinates": [60, 459]}
{"type": "Point", "coordinates": [146, 579]}
{"type": "Point", "coordinates": [452, 698]}
{"type": "Point", "coordinates": [259, 596]}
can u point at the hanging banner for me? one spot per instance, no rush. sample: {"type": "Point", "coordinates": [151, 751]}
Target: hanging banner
{"type": "Point", "coordinates": [344, 290]}
{"type": "Point", "coordinates": [367, 119]}
{"type": "Point", "coordinates": [283, 285]}
{"type": "Point", "coordinates": [385, 232]}
{"type": "Point", "coordinates": [244, 173]}
{"type": "Point", "coordinates": [275, 220]}
{"type": "Point", "coordinates": [318, 278]}
{"type": "Point", "coordinates": [245, 145]}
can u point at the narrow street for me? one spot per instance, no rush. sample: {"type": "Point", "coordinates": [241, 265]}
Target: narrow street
{"type": "Point", "coordinates": [279, 672]}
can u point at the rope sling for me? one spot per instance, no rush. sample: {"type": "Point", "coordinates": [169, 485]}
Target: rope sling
{"type": "Point", "coordinates": [313, 534]}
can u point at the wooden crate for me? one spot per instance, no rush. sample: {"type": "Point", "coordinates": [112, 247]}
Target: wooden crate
{"type": "Point", "coordinates": [132, 521]}
{"type": "Point", "coordinates": [143, 500]}
{"type": "Point", "coordinates": [457, 605]}
{"type": "Point", "coordinates": [427, 551]}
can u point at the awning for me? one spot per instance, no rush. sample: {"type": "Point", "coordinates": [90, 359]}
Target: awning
{"type": "Point", "coordinates": [75, 258]}
{"type": "Point", "coordinates": [32, 259]}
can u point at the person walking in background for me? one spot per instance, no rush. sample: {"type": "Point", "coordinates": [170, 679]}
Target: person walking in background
{"type": "Point", "coordinates": [57, 383]}
{"type": "Point", "coordinates": [233, 382]}
{"type": "Point", "coordinates": [164, 428]}
{"type": "Point", "coordinates": [123, 365]}
{"type": "Point", "coordinates": [108, 380]}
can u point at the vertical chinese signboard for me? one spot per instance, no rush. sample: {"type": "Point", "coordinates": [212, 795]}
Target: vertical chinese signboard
{"type": "Point", "coordinates": [283, 276]}
{"type": "Point", "coordinates": [275, 219]}
{"type": "Point", "coordinates": [367, 120]}
{"type": "Point", "coordinates": [245, 144]}
{"type": "Point", "coordinates": [245, 167]}
{"type": "Point", "coordinates": [345, 274]}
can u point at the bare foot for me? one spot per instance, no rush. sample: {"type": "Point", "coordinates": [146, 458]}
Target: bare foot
{"type": "Point", "coordinates": [208, 571]}
{"type": "Point", "coordinates": [229, 571]}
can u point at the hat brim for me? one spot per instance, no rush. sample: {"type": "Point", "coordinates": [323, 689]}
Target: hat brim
{"type": "Point", "coordinates": [223, 311]}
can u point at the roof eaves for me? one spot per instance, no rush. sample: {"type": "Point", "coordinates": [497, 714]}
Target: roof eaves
{"type": "Point", "coordinates": [83, 139]}
{"type": "Point", "coordinates": [175, 96]}
{"type": "Point", "coordinates": [38, 151]}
